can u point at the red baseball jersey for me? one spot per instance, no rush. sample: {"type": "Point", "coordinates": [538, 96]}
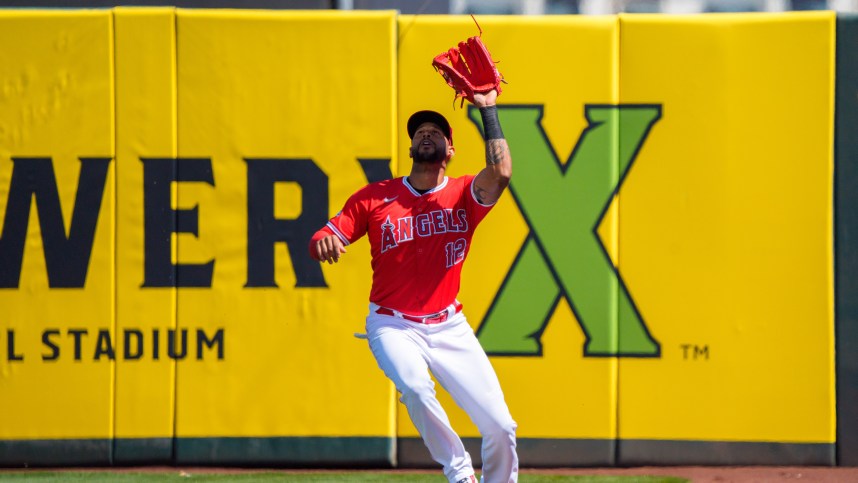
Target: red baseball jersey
{"type": "Point", "coordinates": [418, 241]}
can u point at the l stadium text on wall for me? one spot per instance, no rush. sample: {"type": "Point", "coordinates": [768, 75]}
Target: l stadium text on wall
{"type": "Point", "coordinates": [129, 345]}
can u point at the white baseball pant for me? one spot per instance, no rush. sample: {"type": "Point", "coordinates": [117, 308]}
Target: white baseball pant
{"type": "Point", "coordinates": [405, 350]}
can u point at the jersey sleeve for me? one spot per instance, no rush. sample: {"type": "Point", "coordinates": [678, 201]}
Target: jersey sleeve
{"type": "Point", "coordinates": [476, 210]}
{"type": "Point", "coordinates": [351, 222]}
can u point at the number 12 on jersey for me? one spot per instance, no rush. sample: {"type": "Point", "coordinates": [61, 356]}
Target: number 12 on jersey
{"type": "Point", "coordinates": [455, 251]}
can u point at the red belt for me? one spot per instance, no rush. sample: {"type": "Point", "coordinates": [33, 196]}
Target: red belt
{"type": "Point", "coordinates": [435, 318]}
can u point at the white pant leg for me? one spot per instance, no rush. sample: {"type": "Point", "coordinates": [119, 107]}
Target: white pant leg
{"type": "Point", "coordinates": [461, 366]}
{"type": "Point", "coordinates": [401, 351]}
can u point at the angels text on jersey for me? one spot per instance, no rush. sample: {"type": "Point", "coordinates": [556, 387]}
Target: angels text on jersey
{"type": "Point", "coordinates": [436, 222]}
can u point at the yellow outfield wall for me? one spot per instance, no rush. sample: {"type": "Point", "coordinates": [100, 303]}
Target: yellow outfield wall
{"type": "Point", "coordinates": [660, 269]}
{"type": "Point", "coordinates": [726, 227]}
{"type": "Point", "coordinates": [721, 228]}
{"type": "Point", "coordinates": [57, 111]}
{"type": "Point", "coordinates": [559, 410]}
{"type": "Point", "coordinates": [145, 396]}
{"type": "Point", "coordinates": [262, 97]}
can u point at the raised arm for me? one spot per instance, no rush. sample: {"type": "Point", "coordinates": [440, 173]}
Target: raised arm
{"type": "Point", "coordinates": [494, 178]}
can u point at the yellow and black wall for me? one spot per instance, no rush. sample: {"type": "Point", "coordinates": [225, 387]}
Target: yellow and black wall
{"type": "Point", "coordinates": [666, 281]}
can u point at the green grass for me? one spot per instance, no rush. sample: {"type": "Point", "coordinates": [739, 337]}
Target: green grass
{"type": "Point", "coordinates": [320, 477]}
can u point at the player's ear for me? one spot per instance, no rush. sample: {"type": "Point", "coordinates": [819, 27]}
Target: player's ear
{"type": "Point", "coordinates": [451, 151]}
{"type": "Point", "coordinates": [411, 152]}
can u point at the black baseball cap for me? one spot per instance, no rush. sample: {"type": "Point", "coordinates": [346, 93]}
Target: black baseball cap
{"type": "Point", "coordinates": [420, 117]}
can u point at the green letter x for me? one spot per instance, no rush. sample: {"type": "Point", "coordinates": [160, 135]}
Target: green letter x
{"type": "Point", "coordinates": [563, 256]}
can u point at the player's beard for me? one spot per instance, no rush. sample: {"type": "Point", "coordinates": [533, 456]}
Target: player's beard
{"type": "Point", "coordinates": [434, 156]}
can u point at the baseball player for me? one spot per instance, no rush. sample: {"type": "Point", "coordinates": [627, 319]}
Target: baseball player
{"type": "Point", "coordinates": [420, 229]}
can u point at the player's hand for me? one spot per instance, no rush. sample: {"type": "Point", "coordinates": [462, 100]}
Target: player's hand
{"type": "Point", "coordinates": [488, 99]}
{"type": "Point", "coordinates": [329, 249]}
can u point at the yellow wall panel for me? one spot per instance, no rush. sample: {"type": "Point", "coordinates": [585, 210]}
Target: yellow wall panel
{"type": "Point", "coordinates": [56, 107]}
{"type": "Point", "coordinates": [145, 129]}
{"type": "Point", "coordinates": [557, 393]}
{"type": "Point", "coordinates": [726, 227]}
{"type": "Point", "coordinates": [291, 97]}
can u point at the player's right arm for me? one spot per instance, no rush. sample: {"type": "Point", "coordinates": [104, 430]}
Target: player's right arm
{"type": "Point", "coordinates": [326, 247]}
{"type": "Point", "coordinates": [329, 243]}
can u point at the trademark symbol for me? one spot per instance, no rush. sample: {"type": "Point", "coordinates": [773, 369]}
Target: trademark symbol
{"type": "Point", "coordinates": [694, 352]}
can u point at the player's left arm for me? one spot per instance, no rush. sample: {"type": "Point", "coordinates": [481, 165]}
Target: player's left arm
{"type": "Point", "coordinates": [494, 178]}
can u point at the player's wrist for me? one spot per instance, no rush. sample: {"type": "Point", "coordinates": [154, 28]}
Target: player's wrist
{"type": "Point", "coordinates": [491, 123]}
